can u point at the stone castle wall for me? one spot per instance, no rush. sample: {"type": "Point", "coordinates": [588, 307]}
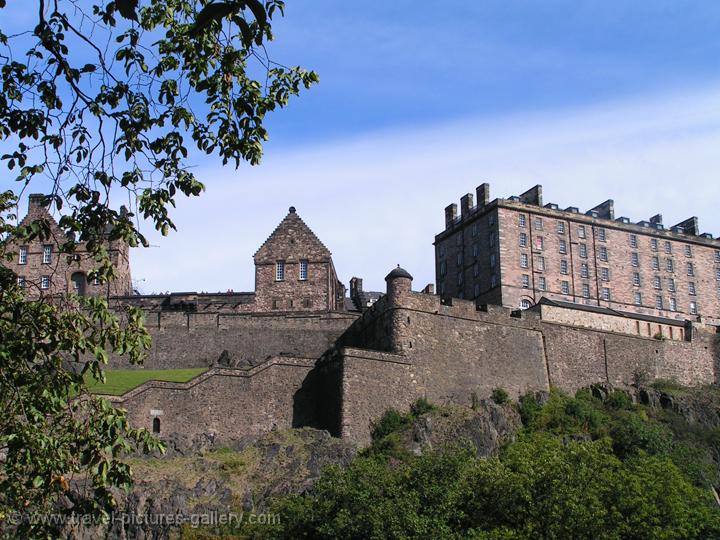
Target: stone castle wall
{"type": "Point", "coordinates": [447, 350]}
{"type": "Point", "coordinates": [196, 339]}
{"type": "Point", "coordinates": [230, 403]}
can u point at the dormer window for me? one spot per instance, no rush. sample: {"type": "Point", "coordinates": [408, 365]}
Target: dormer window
{"type": "Point", "coordinates": [303, 269]}
{"type": "Point", "coordinates": [47, 254]}
{"type": "Point", "coordinates": [280, 271]}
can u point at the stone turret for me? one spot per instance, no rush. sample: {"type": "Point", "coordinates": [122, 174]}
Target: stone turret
{"type": "Point", "coordinates": [399, 288]}
{"type": "Point", "coordinates": [399, 283]}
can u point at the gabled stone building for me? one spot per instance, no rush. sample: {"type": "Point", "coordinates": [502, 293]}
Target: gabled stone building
{"type": "Point", "coordinates": [45, 271]}
{"type": "Point", "coordinates": [294, 271]}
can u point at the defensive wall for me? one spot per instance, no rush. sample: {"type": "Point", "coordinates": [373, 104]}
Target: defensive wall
{"type": "Point", "coordinates": [341, 371]}
{"type": "Point", "coordinates": [446, 350]}
{"type": "Point", "coordinates": [206, 330]}
{"type": "Point", "coordinates": [230, 403]}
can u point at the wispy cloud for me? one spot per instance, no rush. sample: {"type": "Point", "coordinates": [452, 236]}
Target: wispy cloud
{"type": "Point", "coordinates": [377, 200]}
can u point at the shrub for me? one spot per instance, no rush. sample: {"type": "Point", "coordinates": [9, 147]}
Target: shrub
{"type": "Point", "coordinates": [500, 396]}
{"type": "Point", "coordinates": [421, 406]}
{"type": "Point", "coordinates": [391, 421]}
{"type": "Point", "coordinates": [619, 400]}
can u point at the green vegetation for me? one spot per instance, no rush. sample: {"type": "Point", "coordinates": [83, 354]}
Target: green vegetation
{"type": "Point", "coordinates": [119, 381]}
{"type": "Point", "coordinates": [580, 468]}
{"type": "Point", "coordinates": [500, 396]}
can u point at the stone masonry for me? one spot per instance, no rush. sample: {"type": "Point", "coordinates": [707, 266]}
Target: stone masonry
{"type": "Point", "coordinates": [515, 251]}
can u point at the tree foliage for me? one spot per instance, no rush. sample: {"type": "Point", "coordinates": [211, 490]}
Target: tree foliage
{"type": "Point", "coordinates": [99, 104]}
{"type": "Point", "coordinates": [580, 469]}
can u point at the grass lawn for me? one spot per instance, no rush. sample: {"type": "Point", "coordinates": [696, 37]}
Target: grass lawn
{"type": "Point", "coordinates": [120, 381]}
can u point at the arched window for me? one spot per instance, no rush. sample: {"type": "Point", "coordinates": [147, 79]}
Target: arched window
{"type": "Point", "coordinates": [156, 425]}
{"type": "Point", "coordinates": [525, 304]}
{"type": "Point", "coordinates": [78, 283]}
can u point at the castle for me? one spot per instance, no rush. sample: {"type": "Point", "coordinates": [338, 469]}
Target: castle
{"type": "Point", "coordinates": [297, 352]}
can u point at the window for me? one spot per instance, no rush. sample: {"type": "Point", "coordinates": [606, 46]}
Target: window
{"type": "Point", "coordinates": [673, 304]}
{"type": "Point", "coordinates": [442, 251]}
{"type": "Point", "coordinates": [693, 308]}
{"type": "Point", "coordinates": [669, 265]}
{"type": "Point", "coordinates": [521, 220]}
{"type": "Point", "coordinates": [538, 224]}
{"type": "Point", "coordinates": [539, 242]}
{"type": "Point", "coordinates": [458, 240]}
{"type": "Point", "coordinates": [476, 290]}
{"type": "Point", "coordinates": [563, 247]}
{"type": "Point", "coordinates": [491, 220]}
{"type": "Point", "coordinates": [523, 239]}
{"type": "Point", "coordinates": [634, 259]}
{"type": "Point", "coordinates": [603, 253]}
{"type": "Point", "coordinates": [717, 256]}
{"type": "Point", "coordinates": [524, 303]}
{"type": "Point", "coordinates": [526, 281]}
{"type": "Point", "coordinates": [156, 425]}
{"type": "Point", "coordinates": [605, 274]}
{"type": "Point", "coordinates": [671, 284]}
{"type": "Point", "coordinates": [542, 284]}
{"type": "Point", "coordinates": [523, 260]}
{"type": "Point", "coordinates": [688, 250]}
{"type": "Point", "coordinates": [717, 274]}
{"type": "Point", "coordinates": [303, 269]}
{"type": "Point", "coordinates": [636, 279]}
{"type": "Point", "coordinates": [280, 271]}
{"type": "Point", "coordinates": [691, 288]}
{"type": "Point", "coordinates": [654, 244]}
{"type": "Point", "coordinates": [561, 227]}
{"type": "Point", "coordinates": [581, 231]}
{"type": "Point", "coordinates": [638, 299]}
{"type": "Point", "coordinates": [45, 282]}
{"type": "Point", "coordinates": [583, 251]}
{"type": "Point", "coordinates": [492, 260]}
{"type": "Point", "coordinates": [563, 266]}
{"type": "Point", "coordinates": [493, 280]}
{"type": "Point", "coordinates": [565, 287]}
{"type": "Point", "coordinates": [655, 263]}
{"type": "Point", "coordinates": [491, 239]}
{"type": "Point", "coordinates": [474, 229]}
{"type": "Point", "coordinates": [443, 268]}
{"type": "Point", "coordinates": [602, 235]}
{"type": "Point", "coordinates": [658, 302]}
{"type": "Point", "coordinates": [475, 249]}
{"type": "Point", "coordinates": [22, 256]}
{"type": "Point", "coordinates": [606, 294]}
{"type": "Point", "coordinates": [460, 278]}
{"type": "Point", "coordinates": [47, 254]}
{"type": "Point", "coordinates": [586, 290]}
{"type": "Point", "coordinates": [690, 269]}
{"type": "Point", "coordinates": [633, 241]}
{"type": "Point", "coordinates": [21, 282]}
{"type": "Point", "coordinates": [541, 264]}
{"type": "Point", "coordinates": [96, 281]}
{"type": "Point", "coordinates": [584, 270]}
{"type": "Point", "coordinates": [459, 259]}
{"type": "Point", "coordinates": [476, 270]}
{"type": "Point", "coordinates": [657, 283]}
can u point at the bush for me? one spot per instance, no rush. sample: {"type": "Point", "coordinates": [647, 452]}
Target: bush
{"type": "Point", "coordinates": [421, 406]}
{"type": "Point", "coordinates": [391, 421]}
{"type": "Point", "coordinates": [529, 409]}
{"type": "Point", "coordinates": [500, 396]}
{"type": "Point", "coordinates": [619, 400]}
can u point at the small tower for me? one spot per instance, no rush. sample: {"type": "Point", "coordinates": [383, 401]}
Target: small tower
{"type": "Point", "coordinates": [399, 283]}
{"type": "Point", "coordinates": [399, 287]}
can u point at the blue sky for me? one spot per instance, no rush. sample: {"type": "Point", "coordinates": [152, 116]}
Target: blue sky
{"type": "Point", "coordinates": [419, 102]}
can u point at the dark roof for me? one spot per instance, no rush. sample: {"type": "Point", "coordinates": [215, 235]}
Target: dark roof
{"type": "Point", "coordinates": [398, 273]}
{"type": "Point", "coordinates": [365, 299]}
{"type": "Point", "coordinates": [609, 311]}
